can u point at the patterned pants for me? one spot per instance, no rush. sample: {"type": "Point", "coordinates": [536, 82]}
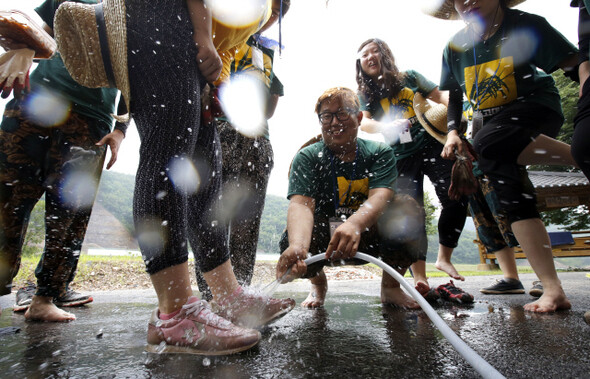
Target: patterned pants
{"type": "Point", "coordinates": [247, 163]}
{"type": "Point", "coordinates": [38, 160]}
{"type": "Point", "coordinates": [491, 223]}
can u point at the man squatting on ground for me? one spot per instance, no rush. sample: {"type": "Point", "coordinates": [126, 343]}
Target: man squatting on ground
{"type": "Point", "coordinates": [344, 177]}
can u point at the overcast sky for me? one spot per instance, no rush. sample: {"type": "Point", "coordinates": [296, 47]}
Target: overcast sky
{"type": "Point", "coordinates": [321, 39]}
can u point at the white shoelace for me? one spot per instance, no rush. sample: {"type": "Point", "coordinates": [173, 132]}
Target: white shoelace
{"type": "Point", "coordinates": [208, 316]}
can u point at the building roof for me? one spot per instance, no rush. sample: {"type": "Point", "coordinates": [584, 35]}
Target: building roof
{"type": "Point", "coordinates": [548, 179]}
{"type": "Point", "coordinates": [560, 189]}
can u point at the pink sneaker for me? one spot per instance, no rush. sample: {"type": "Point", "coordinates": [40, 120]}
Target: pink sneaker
{"type": "Point", "coordinates": [251, 310]}
{"type": "Point", "coordinates": [197, 330]}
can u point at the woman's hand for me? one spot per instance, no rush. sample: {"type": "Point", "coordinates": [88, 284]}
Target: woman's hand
{"type": "Point", "coordinates": [453, 144]}
{"type": "Point", "coordinates": [14, 71]}
{"type": "Point", "coordinates": [113, 140]}
{"type": "Point", "coordinates": [392, 130]}
{"type": "Point", "coordinates": [210, 63]}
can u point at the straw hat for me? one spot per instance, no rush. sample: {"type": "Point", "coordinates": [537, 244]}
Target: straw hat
{"type": "Point", "coordinates": [434, 118]}
{"type": "Point", "coordinates": [92, 41]}
{"type": "Point", "coordinates": [446, 9]}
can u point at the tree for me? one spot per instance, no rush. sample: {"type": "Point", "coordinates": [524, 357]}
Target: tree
{"type": "Point", "coordinates": [35, 231]}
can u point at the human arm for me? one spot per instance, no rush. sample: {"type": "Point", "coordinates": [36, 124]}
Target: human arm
{"type": "Point", "coordinates": [346, 238]}
{"type": "Point", "coordinates": [438, 96]}
{"type": "Point", "coordinates": [209, 61]}
{"type": "Point", "coordinates": [390, 130]}
{"type": "Point", "coordinates": [271, 105]}
{"type": "Point", "coordinates": [584, 73]}
{"type": "Point", "coordinates": [14, 71]}
{"type": "Point", "coordinates": [454, 112]}
{"type": "Point", "coordinates": [300, 219]}
{"type": "Point", "coordinates": [113, 140]}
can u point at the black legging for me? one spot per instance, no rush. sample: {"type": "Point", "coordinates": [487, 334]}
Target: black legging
{"type": "Point", "coordinates": [427, 161]}
{"type": "Point", "coordinates": [165, 104]}
{"type": "Point", "coordinates": [581, 137]}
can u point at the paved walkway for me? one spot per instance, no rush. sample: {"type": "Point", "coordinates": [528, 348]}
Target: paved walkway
{"type": "Point", "coordinates": [353, 336]}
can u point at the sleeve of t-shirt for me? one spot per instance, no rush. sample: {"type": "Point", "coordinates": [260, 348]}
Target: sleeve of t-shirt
{"type": "Point", "coordinates": [276, 87]}
{"type": "Point", "coordinates": [424, 85]}
{"type": "Point", "coordinates": [552, 48]}
{"type": "Point", "coordinates": [302, 176]}
{"type": "Point", "coordinates": [363, 101]}
{"type": "Point", "coordinates": [47, 11]}
{"type": "Point", "coordinates": [447, 78]}
{"type": "Point", "coordinates": [384, 172]}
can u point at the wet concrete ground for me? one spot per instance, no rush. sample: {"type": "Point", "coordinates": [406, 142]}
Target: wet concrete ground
{"type": "Point", "coordinates": [353, 336]}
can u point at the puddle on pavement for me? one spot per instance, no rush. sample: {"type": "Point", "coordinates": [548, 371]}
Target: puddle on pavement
{"type": "Point", "coordinates": [353, 336]}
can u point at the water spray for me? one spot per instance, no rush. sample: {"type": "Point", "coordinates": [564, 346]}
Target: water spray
{"type": "Point", "coordinates": [477, 362]}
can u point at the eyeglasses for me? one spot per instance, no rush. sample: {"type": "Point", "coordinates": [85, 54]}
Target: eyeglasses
{"type": "Point", "coordinates": [326, 118]}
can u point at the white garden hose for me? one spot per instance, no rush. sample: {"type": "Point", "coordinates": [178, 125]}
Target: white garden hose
{"type": "Point", "coordinates": [478, 363]}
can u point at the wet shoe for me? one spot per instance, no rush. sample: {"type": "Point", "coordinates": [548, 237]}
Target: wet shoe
{"type": "Point", "coordinates": [24, 297]}
{"type": "Point", "coordinates": [454, 294]}
{"type": "Point", "coordinates": [197, 330]}
{"type": "Point", "coordinates": [248, 309]}
{"type": "Point", "coordinates": [537, 289]}
{"type": "Point", "coordinates": [72, 299]}
{"type": "Point", "coordinates": [504, 286]}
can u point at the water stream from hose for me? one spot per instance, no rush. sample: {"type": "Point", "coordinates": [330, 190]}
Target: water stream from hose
{"type": "Point", "coordinates": [475, 360]}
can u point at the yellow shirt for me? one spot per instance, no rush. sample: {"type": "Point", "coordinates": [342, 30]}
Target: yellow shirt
{"type": "Point", "coordinates": [229, 39]}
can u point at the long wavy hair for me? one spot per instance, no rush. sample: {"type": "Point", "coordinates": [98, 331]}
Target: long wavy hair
{"type": "Point", "coordinates": [389, 84]}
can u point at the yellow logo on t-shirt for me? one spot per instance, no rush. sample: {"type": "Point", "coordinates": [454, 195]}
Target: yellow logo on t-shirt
{"type": "Point", "coordinates": [496, 85]}
{"type": "Point", "coordinates": [401, 106]}
{"type": "Point", "coordinates": [351, 194]}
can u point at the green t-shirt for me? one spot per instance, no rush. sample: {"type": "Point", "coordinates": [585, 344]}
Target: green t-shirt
{"type": "Point", "coordinates": [402, 106]}
{"type": "Point", "coordinates": [97, 104]}
{"type": "Point", "coordinates": [506, 65]}
{"type": "Point", "coordinates": [255, 59]}
{"type": "Point", "coordinates": [316, 173]}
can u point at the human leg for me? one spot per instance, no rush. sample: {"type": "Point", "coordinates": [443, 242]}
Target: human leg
{"type": "Point", "coordinates": [26, 155]}
{"type": "Point", "coordinates": [392, 293]}
{"type": "Point", "coordinates": [315, 272]}
{"type": "Point", "coordinates": [533, 238]}
{"type": "Point", "coordinates": [317, 294]}
{"type": "Point", "coordinates": [21, 186]}
{"type": "Point", "coordinates": [410, 182]}
{"type": "Point", "coordinates": [209, 241]}
{"type": "Point", "coordinates": [581, 137]}
{"type": "Point", "coordinates": [167, 116]}
{"type": "Point", "coordinates": [495, 234]}
{"type": "Point", "coordinates": [453, 212]}
{"type": "Point", "coordinates": [516, 195]}
{"type": "Point", "coordinates": [548, 151]}
{"type": "Point", "coordinates": [71, 186]}
{"type": "Point", "coordinates": [399, 249]}
{"type": "Point", "coordinates": [247, 163]}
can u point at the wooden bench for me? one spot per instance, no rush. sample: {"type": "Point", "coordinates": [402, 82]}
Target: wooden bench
{"type": "Point", "coordinates": [578, 247]}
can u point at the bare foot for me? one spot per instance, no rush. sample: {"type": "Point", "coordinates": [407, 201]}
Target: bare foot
{"type": "Point", "coordinates": [43, 309]}
{"type": "Point", "coordinates": [549, 303]}
{"type": "Point", "coordinates": [421, 286]}
{"type": "Point", "coordinates": [447, 266]}
{"type": "Point", "coordinates": [396, 296]}
{"type": "Point", "coordinates": [316, 297]}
